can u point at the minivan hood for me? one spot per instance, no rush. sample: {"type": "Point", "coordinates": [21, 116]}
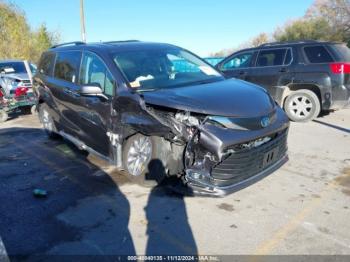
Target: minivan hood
{"type": "Point", "coordinates": [233, 97]}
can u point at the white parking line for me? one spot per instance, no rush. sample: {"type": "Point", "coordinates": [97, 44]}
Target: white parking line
{"type": "Point", "coordinates": [3, 253]}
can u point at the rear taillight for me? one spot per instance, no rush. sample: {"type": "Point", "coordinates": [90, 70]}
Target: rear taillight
{"type": "Point", "coordinates": [21, 91]}
{"type": "Point", "coordinates": [340, 68]}
{"type": "Point", "coordinates": [1, 94]}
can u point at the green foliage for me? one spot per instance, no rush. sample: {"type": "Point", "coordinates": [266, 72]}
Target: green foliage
{"type": "Point", "coordinates": [18, 40]}
{"type": "Point", "coordinates": [314, 29]}
{"type": "Point", "coordinates": [337, 15]}
{"type": "Point", "coordinates": [262, 38]}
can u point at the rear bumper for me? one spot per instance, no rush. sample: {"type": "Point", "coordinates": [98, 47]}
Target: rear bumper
{"type": "Point", "coordinates": [340, 98]}
{"type": "Point", "coordinates": [220, 191]}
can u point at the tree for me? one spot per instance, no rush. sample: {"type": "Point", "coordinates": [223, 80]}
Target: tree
{"type": "Point", "coordinates": [337, 15]}
{"type": "Point", "coordinates": [262, 38]}
{"type": "Point", "coordinates": [302, 29]}
{"type": "Point", "coordinates": [18, 40]}
{"type": "Point", "coordinates": [41, 40]}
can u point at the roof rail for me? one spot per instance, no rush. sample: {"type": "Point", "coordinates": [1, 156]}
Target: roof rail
{"type": "Point", "coordinates": [289, 42]}
{"type": "Point", "coordinates": [68, 43]}
{"type": "Point", "coordinates": [120, 41]}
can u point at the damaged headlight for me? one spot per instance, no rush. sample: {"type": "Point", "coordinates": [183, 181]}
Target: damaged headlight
{"type": "Point", "coordinates": [186, 118]}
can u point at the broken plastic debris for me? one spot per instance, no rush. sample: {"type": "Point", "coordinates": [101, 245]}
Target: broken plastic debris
{"type": "Point", "coordinates": [39, 193]}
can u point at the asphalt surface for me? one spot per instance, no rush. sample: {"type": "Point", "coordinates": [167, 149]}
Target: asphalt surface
{"type": "Point", "coordinates": [91, 209]}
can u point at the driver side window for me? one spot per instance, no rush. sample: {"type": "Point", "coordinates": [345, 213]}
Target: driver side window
{"type": "Point", "coordinates": [94, 71]}
{"type": "Point", "coordinates": [241, 60]}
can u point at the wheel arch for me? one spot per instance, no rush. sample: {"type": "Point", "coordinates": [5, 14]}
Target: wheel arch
{"type": "Point", "coordinates": [295, 87]}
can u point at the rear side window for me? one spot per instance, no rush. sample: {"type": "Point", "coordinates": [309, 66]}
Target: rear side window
{"type": "Point", "coordinates": [46, 64]}
{"type": "Point", "coordinates": [342, 51]}
{"type": "Point", "coordinates": [67, 65]}
{"type": "Point", "coordinates": [317, 54]}
{"type": "Point", "coordinates": [274, 57]}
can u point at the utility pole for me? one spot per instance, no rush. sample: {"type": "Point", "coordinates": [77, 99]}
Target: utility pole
{"type": "Point", "coordinates": [82, 21]}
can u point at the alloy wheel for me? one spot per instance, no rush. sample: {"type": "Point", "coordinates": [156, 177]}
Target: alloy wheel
{"type": "Point", "coordinates": [139, 155]}
{"type": "Point", "coordinates": [301, 107]}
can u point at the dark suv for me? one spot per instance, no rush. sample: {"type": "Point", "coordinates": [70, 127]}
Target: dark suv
{"type": "Point", "coordinates": [157, 110]}
{"type": "Point", "coordinates": [304, 77]}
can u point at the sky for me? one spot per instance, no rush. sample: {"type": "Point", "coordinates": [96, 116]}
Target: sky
{"type": "Point", "coordinates": [202, 26]}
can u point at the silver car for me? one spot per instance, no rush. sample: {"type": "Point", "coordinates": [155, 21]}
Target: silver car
{"type": "Point", "coordinates": [16, 87]}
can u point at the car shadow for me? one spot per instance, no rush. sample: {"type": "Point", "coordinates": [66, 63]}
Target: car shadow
{"type": "Point", "coordinates": [83, 213]}
{"type": "Point", "coordinates": [168, 228]}
{"type": "Point", "coordinates": [343, 129]}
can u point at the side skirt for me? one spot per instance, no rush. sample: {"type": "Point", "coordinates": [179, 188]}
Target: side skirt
{"type": "Point", "coordinates": [83, 146]}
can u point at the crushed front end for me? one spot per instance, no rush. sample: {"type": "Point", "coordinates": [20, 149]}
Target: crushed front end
{"type": "Point", "coordinates": [225, 154]}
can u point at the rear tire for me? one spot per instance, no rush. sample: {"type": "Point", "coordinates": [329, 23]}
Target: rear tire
{"type": "Point", "coordinates": [142, 160]}
{"type": "Point", "coordinates": [25, 110]}
{"type": "Point", "coordinates": [302, 106]}
{"type": "Point", "coordinates": [3, 116]}
{"type": "Point", "coordinates": [47, 122]}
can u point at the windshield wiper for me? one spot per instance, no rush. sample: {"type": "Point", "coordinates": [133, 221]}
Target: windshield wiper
{"type": "Point", "coordinates": [198, 82]}
{"type": "Point", "coordinates": [207, 81]}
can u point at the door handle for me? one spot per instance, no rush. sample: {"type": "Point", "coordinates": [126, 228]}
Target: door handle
{"type": "Point", "coordinates": [242, 73]}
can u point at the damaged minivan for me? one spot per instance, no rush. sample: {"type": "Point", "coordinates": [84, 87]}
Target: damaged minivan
{"type": "Point", "coordinates": [135, 103]}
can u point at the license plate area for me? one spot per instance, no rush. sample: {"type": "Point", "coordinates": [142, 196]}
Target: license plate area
{"type": "Point", "coordinates": [270, 157]}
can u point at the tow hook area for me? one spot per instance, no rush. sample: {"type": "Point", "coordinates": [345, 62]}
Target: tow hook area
{"type": "Point", "coordinates": [194, 176]}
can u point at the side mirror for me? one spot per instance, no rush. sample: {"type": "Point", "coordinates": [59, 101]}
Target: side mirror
{"type": "Point", "coordinates": [92, 90]}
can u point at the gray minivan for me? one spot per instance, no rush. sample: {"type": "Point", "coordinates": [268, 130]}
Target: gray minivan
{"type": "Point", "coordinates": [157, 110]}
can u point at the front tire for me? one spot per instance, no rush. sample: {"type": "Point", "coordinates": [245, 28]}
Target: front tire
{"type": "Point", "coordinates": [302, 106]}
{"type": "Point", "coordinates": [47, 122]}
{"type": "Point", "coordinates": [142, 160]}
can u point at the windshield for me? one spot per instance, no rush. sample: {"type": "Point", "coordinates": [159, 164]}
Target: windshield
{"type": "Point", "coordinates": [164, 68]}
{"type": "Point", "coordinates": [12, 68]}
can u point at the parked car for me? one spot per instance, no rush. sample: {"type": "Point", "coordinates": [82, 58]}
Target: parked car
{"type": "Point", "coordinates": [16, 88]}
{"type": "Point", "coordinates": [304, 77]}
{"type": "Point", "coordinates": [127, 103]}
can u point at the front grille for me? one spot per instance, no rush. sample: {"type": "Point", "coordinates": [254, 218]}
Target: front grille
{"type": "Point", "coordinates": [249, 161]}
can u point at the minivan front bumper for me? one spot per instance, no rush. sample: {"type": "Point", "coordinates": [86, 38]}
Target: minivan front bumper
{"type": "Point", "coordinates": [239, 164]}
{"type": "Point", "coordinates": [220, 191]}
